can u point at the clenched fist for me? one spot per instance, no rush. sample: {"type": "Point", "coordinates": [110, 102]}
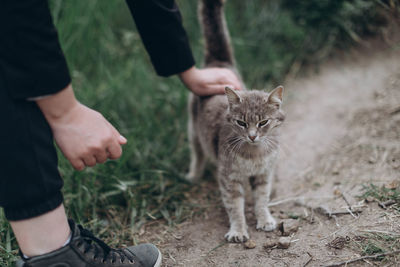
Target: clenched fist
{"type": "Point", "coordinates": [84, 136]}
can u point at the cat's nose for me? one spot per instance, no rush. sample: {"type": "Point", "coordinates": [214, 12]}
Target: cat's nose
{"type": "Point", "coordinates": [252, 137]}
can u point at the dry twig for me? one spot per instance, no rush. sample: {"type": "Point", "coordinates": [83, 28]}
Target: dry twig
{"type": "Point", "coordinates": [363, 258]}
{"type": "Point", "coordinates": [325, 211]}
{"type": "Point", "coordinates": [386, 204]}
{"type": "Point", "coordinates": [395, 110]}
{"type": "Point", "coordinates": [380, 232]}
{"type": "Point", "coordinates": [309, 260]}
{"type": "Point", "coordinates": [298, 200]}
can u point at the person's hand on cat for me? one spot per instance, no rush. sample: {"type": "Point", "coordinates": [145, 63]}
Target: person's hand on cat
{"type": "Point", "coordinates": [209, 81]}
{"type": "Point", "coordinates": [84, 136]}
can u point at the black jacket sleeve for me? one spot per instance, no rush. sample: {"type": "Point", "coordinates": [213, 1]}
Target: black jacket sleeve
{"type": "Point", "coordinates": [31, 60]}
{"type": "Point", "coordinates": [159, 23]}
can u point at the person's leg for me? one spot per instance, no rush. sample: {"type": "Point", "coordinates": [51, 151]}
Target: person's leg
{"type": "Point", "coordinates": [42, 234]}
{"type": "Point", "coordinates": [30, 183]}
{"type": "Point", "coordinates": [30, 193]}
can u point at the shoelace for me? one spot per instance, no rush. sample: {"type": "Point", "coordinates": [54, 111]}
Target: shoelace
{"type": "Point", "coordinates": [108, 253]}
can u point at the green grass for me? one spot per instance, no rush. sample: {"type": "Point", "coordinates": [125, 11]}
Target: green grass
{"type": "Point", "coordinates": [376, 243]}
{"type": "Point", "coordinates": [112, 74]}
{"type": "Point", "coordinates": [380, 242]}
{"type": "Point", "coordinates": [381, 193]}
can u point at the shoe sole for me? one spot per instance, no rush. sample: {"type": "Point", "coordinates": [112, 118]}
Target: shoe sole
{"type": "Point", "coordinates": [159, 259]}
{"type": "Point", "coordinates": [20, 263]}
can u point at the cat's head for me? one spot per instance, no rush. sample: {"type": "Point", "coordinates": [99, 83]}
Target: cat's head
{"type": "Point", "coordinates": [255, 115]}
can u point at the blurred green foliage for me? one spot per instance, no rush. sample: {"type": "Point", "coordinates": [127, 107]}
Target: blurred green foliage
{"type": "Point", "coordinates": [112, 74]}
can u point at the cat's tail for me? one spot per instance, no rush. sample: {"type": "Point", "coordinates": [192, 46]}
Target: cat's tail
{"type": "Point", "coordinates": [218, 50]}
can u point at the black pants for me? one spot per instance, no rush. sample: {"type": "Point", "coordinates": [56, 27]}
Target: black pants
{"type": "Point", "coordinates": [32, 64]}
{"type": "Point", "coordinates": [30, 183]}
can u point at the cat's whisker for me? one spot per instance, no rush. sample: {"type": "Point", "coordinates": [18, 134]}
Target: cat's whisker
{"type": "Point", "coordinates": [236, 149]}
{"type": "Point", "coordinates": [285, 149]}
{"type": "Point", "coordinates": [230, 144]}
{"type": "Point", "coordinates": [236, 132]}
{"type": "Point", "coordinates": [270, 144]}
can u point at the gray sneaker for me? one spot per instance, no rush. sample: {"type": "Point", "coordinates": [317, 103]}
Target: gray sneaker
{"type": "Point", "coordinates": [85, 250]}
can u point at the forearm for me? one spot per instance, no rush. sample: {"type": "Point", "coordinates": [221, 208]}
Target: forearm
{"type": "Point", "coordinates": [58, 105]}
{"type": "Point", "coordinates": [159, 23]}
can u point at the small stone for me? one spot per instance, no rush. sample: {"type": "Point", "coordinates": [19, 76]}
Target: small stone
{"type": "Point", "coordinates": [142, 230]}
{"type": "Point", "coordinates": [288, 226]}
{"type": "Point", "coordinates": [283, 216]}
{"type": "Point", "coordinates": [370, 199]}
{"type": "Point", "coordinates": [395, 162]}
{"type": "Point", "coordinates": [270, 244]}
{"type": "Point", "coordinates": [337, 193]}
{"type": "Point", "coordinates": [250, 244]}
{"type": "Point", "coordinates": [392, 185]}
{"type": "Point", "coordinates": [284, 242]}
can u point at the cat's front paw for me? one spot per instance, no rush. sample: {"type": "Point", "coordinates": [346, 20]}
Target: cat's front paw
{"type": "Point", "coordinates": [237, 236]}
{"type": "Point", "coordinates": [191, 177]}
{"type": "Point", "coordinates": [267, 225]}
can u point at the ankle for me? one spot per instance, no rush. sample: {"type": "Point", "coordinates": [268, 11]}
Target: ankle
{"type": "Point", "coordinates": [43, 234]}
{"type": "Point", "coordinates": [43, 252]}
{"type": "Point", "coordinates": [31, 248]}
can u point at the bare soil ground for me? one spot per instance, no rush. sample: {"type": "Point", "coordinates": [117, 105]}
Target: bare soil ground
{"type": "Point", "coordinates": [342, 132]}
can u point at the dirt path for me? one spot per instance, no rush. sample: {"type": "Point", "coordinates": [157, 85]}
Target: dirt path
{"type": "Point", "coordinates": [338, 135]}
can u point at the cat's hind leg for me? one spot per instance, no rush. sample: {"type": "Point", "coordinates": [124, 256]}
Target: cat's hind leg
{"type": "Point", "coordinates": [261, 187]}
{"type": "Point", "coordinates": [197, 160]}
{"type": "Point", "coordinates": [197, 157]}
{"type": "Point", "coordinates": [233, 198]}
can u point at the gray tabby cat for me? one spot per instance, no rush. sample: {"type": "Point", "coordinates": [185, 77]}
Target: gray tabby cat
{"type": "Point", "coordinates": [238, 132]}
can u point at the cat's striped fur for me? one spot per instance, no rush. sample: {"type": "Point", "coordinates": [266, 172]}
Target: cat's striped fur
{"type": "Point", "coordinates": [238, 132]}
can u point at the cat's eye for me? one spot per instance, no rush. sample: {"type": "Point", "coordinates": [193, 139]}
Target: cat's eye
{"type": "Point", "coordinates": [263, 123]}
{"type": "Point", "coordinates": [241, 123]}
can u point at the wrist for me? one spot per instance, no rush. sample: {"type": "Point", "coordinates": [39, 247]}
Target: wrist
{"type": "Point", "coordinates": [188, 74]}
{"type": "Point", "coordinates": [55, 107]}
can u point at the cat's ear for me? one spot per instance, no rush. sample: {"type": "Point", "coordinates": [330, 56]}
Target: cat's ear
{"type": "Point", "coordinates": [275, 97]}
{"type": "Point", "coordinates": [233, 97]}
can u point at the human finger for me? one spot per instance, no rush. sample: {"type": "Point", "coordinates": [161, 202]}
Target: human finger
{"type": "Point", "coordinates": [120, 139]}
{"type": "Point", "coordinates": [101, 156]}
{"type": "Point", "coordinates": [233, 79]}
{"type": "Point", "coordinates": [89, 160]}
{"type": "Point", "coordinates": [229, 77]}
{"type": "Point", "coordinates": [215, 89]}
{"type": "Point", "coordinates": [114, 151]}
{"type": "Point", "coordinates": [78, 164]}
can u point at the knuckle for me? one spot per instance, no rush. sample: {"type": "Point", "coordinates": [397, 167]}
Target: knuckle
{"type": "Point", "coordinates": [116, 154]}
{"type": "Point", "coordinates": [78, 166]}
{"type": "Point", "coordinates": [101, 157]}
{"type": "Point", "coordinates": [110, 138]}
{"type": "Point", "coordinates": [86, 153]}
{"type": "Point", "coordinates": [97, 149]}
